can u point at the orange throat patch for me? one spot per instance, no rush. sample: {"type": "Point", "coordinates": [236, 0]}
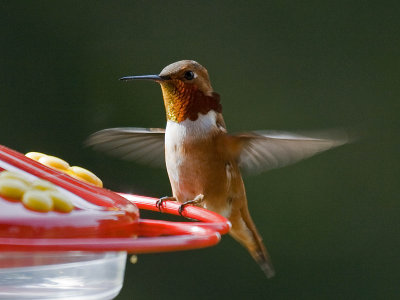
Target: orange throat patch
{"type": "Point", "coordinates": [183, 101]}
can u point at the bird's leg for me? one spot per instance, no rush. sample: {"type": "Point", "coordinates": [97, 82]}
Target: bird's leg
{"type": "Point", "coordinates": [196, 201]}
{"type": "Point", "coordinates": [162, 200]}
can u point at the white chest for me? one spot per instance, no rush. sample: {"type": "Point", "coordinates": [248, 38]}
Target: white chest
{"type": "Point", "coordinates": [187, 131]}
{"type": "Point", "coordinates": [182, 165]}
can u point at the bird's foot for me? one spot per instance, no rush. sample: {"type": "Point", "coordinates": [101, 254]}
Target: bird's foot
{"type": "Point", "coordinates": [160, 201]}
{"type": "Point", "coordinates": [196, 201]}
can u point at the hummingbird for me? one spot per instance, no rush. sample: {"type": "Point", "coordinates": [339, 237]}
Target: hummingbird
{"type": "Point", "coordinates": [204, 162]}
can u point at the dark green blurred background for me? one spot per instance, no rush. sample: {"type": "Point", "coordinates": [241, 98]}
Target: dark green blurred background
{"type": "Point", "coordinates": [331, 223]}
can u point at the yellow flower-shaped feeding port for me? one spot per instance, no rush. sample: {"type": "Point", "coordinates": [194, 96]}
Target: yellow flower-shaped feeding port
{"type": "Point", "coordinates": [61, 165]}
{"type": "Point", "coordinates": [38, 195]}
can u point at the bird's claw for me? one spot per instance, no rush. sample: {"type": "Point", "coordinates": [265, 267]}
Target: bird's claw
{"type": "Point", "coordinates": [160, 202]}
{"type": "Point", "coordinates": [181, 207]}
{"type": "Point", "coordinates": [196, 201]}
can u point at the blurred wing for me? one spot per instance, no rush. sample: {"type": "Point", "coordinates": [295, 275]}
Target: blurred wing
{"type": "Point", "coordinates": [144, 145]}
{"type": "Point", "coordinates": [265, 150]}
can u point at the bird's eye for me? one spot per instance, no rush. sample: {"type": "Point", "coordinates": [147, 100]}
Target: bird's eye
{"type": "Point", "coordinates": [189, 75]}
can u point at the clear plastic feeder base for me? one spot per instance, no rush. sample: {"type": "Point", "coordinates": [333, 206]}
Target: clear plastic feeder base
{"type": "Point", "coordinates": [61, 275]}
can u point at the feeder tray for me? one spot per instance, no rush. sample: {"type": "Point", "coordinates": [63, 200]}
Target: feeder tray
{"type": "Point", "coordinates": [92, 238]}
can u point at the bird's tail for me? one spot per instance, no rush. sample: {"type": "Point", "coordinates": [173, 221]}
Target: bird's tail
{"type": "Point", "coordinates": [245, 232]}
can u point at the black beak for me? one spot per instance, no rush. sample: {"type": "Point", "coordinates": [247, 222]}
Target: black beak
{"type": "Point", "coordinates": [143, 77]}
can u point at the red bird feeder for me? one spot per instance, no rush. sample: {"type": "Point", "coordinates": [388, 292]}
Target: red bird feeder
{"type": "Point", "coordinates": [77, 249]}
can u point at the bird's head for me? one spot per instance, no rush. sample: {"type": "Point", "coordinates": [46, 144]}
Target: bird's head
{"type": "Point", "coordinates": [186, 90]}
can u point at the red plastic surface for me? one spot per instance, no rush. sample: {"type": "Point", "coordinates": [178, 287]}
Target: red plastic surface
{"type": "Point", "coordinates": [110, 223]}
{"type": "Point", "coordinates": [99, 212]}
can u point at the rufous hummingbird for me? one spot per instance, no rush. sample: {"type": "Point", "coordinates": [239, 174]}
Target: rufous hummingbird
{"type": "Point", "coordinates": [203, 161]}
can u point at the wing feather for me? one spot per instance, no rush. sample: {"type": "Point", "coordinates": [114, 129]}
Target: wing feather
{"type": "Point", "coordinates": [265, 150]}
{"type": "Point", "coordinates": [144, 145]}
